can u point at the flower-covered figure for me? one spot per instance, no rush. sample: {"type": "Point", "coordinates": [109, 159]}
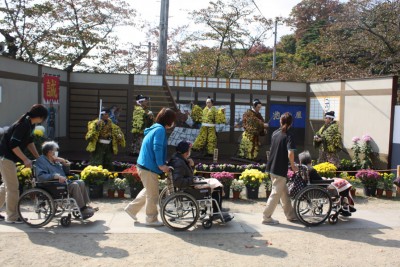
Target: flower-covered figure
{"type": "Point", "coordinates": [207, 137]}
{"type": "Point", "coordinates": [142, 118]}
{"type": "Point", "coordinates": [254, 127]}
{"type": "Point", "coordinates": [329, 140]}
{"type": "Point", "coordinates": [104, 137]}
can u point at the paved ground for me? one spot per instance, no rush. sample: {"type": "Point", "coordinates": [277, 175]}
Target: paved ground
{"type": "Point", "coordinates": [370, 238]}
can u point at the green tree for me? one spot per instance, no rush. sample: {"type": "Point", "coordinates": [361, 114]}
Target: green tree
{"type": "Point", "coordinates": [367, 38]}
{"type": "Point", "coordinates": [61, 33]}
{"type": "Point", "coordinates": [232, 30]}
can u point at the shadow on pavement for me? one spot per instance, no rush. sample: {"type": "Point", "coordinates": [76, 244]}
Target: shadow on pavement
{"type": "Point", "coordinates": [88, 246]}
{"type": "Point", "coordinates": [250, 243]}
{"type": "Point", "coordinates": [354, 230]}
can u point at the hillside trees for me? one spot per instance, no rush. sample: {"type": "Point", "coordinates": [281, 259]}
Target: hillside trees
{"type": "Point", "coordinates": [61, 33]}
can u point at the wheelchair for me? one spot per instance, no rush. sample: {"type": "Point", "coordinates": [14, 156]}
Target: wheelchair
{"type": "Point", "coordinates": [44, 201]}
{"type": "Point", "coordinates": [317, 202]}
{"type": "Point", "coordinates": [182, 208]}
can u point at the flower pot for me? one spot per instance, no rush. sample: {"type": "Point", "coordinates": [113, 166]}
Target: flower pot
{"type": "Point", "coordinates": [379, 192]}
{"type": "Point", "coordinates": [134, 191]}
{"type": "Point", "coordinates": [252, 192]}
{"type": "Point", "coordinates": [370, 191]}
{"type": "Point", "coordinates": [397, 192]}
{"type": "Point", "coordinates": [353, 192]}
{"type": "Point", "coordinates": [95, 191]}
{"type": "Point", "coordinates": [236, 194]}
{"type": "Point", "coordinates": [389, 193]}
{"type": "Point", "coordinates": [227, 190]}
{"type": "Point", "coordinates": [121, 193]}
{"type": "Point", "coordinates": [111, 193]}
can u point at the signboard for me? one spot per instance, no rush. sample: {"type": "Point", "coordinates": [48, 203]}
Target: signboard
{"type": "Point", "coordinates": [51, 89]}
{"type": "Point", "coordinates": [298, 112]}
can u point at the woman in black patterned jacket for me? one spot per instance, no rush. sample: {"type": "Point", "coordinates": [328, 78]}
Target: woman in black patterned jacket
{"type": "Point", "coordinates": [183, 177]}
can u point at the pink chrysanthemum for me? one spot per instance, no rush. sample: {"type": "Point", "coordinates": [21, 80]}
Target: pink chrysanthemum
{"type": "Point", "coordinates": [366, 138]}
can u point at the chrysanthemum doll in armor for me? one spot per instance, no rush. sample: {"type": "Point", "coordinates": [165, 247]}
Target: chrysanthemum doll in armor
{"type": "Point", "coordinates": [142, 118]}
{"type": "Point", "coordinates": [209, 117]}
{"type": "Point", "coordinates": [104, 137]}
{"type": "Point", "coordinates": [254, 127]}
{"type": "Point", "coordinates": [329, 140]}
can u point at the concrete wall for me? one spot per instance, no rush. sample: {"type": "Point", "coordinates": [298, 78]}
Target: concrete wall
{"type": "Point", "coordinates": [368, 110]}
{"type": "Point", "coordinates": [17, 96]}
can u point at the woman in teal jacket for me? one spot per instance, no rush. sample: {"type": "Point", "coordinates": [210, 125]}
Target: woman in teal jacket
{"type": "Point", "coordinates": [150, 164]}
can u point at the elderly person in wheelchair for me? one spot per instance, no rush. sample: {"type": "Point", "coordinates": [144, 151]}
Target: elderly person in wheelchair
{"type": "Point", "coordinates": [50, 167]}
{"type": "Point", "coordinates": [336, 185]}
{"type": "Point", "coordinates": [183, 177]}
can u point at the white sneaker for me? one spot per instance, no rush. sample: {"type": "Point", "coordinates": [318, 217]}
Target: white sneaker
{"type": "Point", "coordinates": [17, 221]}
{"type": "Point", "coordinates": [155, 223]}
{"type": "Point", "coordinates": [130, 213]}
{"type": "Point", "coordinates": [270, 222]}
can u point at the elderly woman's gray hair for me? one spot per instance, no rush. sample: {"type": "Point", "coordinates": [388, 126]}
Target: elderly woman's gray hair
{"type": "Point", "coordinates": [305, 157]}
{"type": "Point", "coordinates": [49, 146]}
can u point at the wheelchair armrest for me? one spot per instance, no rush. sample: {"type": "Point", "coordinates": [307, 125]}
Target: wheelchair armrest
{"type": "Point", "coordinates": [322, 182]}
{"type": "Point", "coordinates": [48, 182]}
{"type": "Point", "coordinates": [199, 183]}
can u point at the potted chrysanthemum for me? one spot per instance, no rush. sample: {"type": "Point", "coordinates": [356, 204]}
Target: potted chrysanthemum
{"type": "Point", "coordinates": [24, 175]}
{"type": "Point", "coordinates": [388, 179]}
{"type": "Point", "coordinates": [226, 179]}
{"type": "Point", "coordinates": [95, 177]}
{"type": "Point", "coordinates": [237, 187]}
{"type": "Point", "coordinates": [369, 178]}
{"type": "Point", "coordinates": [120, 184]}
{"type": "Point", "coordinates": [326, 169]}
{"type": "Point", "coordinates": [252, 178]}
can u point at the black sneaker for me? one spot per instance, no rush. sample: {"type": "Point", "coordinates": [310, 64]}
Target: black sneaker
{"type": "Point", "coordinates": [345, 213]}
{"type": "Point", "coordinates": [17, 221]}
{"type": "Point", "coordinates": [227, 217]}
{"type": "Point", "coordinates": [352, 209]}
{"type": "Point", "coordinates": [2, 218]}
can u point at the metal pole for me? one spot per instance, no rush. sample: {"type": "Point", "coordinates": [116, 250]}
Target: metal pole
{"type": "Point", "coordinates": [274, 52]}
{"type": "Point", "coordinates": [162, 48]}
{"type": "Point", "coordinates": [149, 59]}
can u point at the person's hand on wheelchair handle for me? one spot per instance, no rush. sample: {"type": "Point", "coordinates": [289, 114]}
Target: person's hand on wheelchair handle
{"type": "Point", "coordinates": [164, 168]}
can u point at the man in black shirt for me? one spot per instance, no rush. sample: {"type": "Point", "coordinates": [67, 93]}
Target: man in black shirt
{"type": "Point", "coordinates": [281, 153]}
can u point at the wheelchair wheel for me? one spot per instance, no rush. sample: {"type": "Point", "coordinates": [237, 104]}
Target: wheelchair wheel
{"type": "Point", "coordinates": [313, 205]}
{"type": "Point", "coordinates": [65, 221]}
{"type": "Point", "coordinates": [36, 207]}
{"type": "Point", "coordinates": [333, 219]}
{"type": "Point", "coordinates": [163, 195]}
{"type": "Point", "coordinates": [180, 211]}
{"type": "Point", "coordinates": [207, 224]}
